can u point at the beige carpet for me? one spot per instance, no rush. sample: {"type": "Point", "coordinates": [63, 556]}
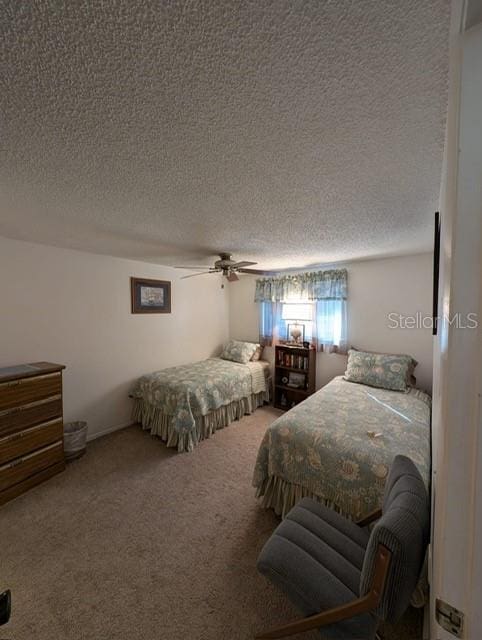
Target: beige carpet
{"type": "Point", "coordinates": [137, 542]}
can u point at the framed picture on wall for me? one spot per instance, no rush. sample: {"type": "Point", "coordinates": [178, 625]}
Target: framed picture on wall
{"type": "Point", "coordinates": [436, 267]}
{"type": "Point", "coordinates": [150, 296]}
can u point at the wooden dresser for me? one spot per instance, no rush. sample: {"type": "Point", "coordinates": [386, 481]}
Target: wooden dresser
{"type": "Point", "coordinates": [31, 426]}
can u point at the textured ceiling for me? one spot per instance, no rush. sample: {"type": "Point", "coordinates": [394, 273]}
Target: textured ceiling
{"type": "Point", "coordinates": [288, 132]}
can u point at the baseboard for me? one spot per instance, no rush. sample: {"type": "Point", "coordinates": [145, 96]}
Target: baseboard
{"type": "Point", "coordinates": [104, 432]}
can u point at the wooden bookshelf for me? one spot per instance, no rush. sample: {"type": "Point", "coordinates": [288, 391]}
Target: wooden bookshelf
{"type": "Point", "coordinates": [293, 365]}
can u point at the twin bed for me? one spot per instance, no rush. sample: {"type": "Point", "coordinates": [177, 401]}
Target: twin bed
{"type": "Point", "coordinates": [186, 404]}
{"type": "Point", "coordinates": [336, 446]}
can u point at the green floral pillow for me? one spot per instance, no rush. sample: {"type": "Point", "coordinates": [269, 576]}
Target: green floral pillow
{"type": "Point", "coordinates": [379, 369]}
{"type": "Point", "coordinates": [238, 351]}
{"type": "Point", "coordinates": [411, 379]}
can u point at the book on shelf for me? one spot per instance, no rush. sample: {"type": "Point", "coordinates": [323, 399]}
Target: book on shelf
{"type": "Point", "coordinates": [292, 360]}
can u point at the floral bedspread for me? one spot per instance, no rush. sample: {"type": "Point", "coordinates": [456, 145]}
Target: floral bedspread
{"type": "Point", "coordinates": [339, 443]}
{"type": "Point", "coordinates": [198, 388]}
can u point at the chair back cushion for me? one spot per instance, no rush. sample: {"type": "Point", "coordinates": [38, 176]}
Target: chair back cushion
{"type": "Point", "coordinates": [404, 530]}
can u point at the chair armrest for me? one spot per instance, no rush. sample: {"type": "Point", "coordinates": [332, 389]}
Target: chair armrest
{"type": "Point", "coordinates": [369, 518]}
{"type": "Point", "coordinates": [353, 608]}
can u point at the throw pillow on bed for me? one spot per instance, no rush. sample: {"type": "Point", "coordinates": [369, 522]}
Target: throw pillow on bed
{"type": "Point", "coordinates": [411, 379]}
{"type": "Point", "coordinates": [257, 354]}
{"type": "Point", "coordinates": [380, 370]}
{"type": "Point", "coordinates": [238, 351]}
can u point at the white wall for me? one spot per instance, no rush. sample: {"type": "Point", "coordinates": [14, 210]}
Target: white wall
{"type": "Point", "coordinates": [74, 308]}
{"type": "Point", "coordinates": [376, 288]}
{"type": "Point", "coordinates": [457, 408]}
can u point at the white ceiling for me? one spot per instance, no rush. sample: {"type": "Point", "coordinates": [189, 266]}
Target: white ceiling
{"type": "Point", "coordinates": [290, 132]}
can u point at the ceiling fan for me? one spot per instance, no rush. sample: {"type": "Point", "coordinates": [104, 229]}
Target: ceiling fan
{"type": "Point", "coordinates": [225, 265]}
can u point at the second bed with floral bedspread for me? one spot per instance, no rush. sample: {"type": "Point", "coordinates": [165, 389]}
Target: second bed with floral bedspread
{"type": "Point", "coordinates": [338, 445]}
{"type": "Point", "coordinates": [188, 403]}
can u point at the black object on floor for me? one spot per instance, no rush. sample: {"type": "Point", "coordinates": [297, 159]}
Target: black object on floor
{"type": "Point", "coordinates": [5, 606]}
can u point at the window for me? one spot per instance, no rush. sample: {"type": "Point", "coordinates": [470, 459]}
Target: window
{"type": "Point", "coordinates": [329, 321]}
{"type": "Point", "coordinates": [297, 313]}
{"type": "Point", "coordinates": [323, 321]}
{"type": "Point", "coordinates": [302, 311]}
{"type": "Point", "coordinates": [317, 301]}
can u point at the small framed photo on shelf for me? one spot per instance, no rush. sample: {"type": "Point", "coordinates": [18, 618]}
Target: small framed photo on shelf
{"type": "Point", "coordinates": [150, 296]}
{"type": "Point", "coordinates": [297, 380]}
{"type": "Point", "coordinates": [296, 333]}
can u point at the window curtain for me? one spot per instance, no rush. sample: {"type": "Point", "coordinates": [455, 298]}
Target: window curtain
{"type": "Point", "coordinates": [326, 289]}
{"type": "Point", "coordinates": [317, 285]}
{"type": "Point", "coordinates": [269, 322]}
{"type": "Point", "coordinates": [330, 330]}
{"type": "Point", "coordinates": [266, 322]}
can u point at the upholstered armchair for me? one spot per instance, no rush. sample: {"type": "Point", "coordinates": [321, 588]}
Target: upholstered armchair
{"type": "Point", "coordinates": [343, 577]}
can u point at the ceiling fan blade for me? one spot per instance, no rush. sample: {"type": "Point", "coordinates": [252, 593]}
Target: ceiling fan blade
{"type": "Point", "coordinates": [232, 277]}
{"type": "Point", "coordinates": [240, 265]}
{"type": "Point", "coordinates": [193, 268]}
{"type": "Point", "coordinates": [193, 275]}
{"type": "Point", "coordinates": [258, 272]}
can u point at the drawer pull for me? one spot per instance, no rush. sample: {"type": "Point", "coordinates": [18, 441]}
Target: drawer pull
{"type": "Point", "coordinates": [14, 436]}
{"type": "Point", "coordinates": [15, 463]}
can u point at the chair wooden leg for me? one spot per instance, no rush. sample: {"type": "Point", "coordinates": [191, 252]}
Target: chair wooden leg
{"type": "Point", "coordinates": [349, 610]}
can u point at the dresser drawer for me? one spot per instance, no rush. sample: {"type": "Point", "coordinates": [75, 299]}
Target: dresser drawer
{"type": "Point", "coordinates": [29, 483]}
{"type": "Point", "coordinates": [28, 440]}
{"type": "Point", "coordinates": [28, 465]}
{"type": "Point", "coordinates": [19, 392]}
{"type": "Point", "coordinates": [28, 415]}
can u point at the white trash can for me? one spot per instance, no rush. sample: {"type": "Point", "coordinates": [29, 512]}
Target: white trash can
{"type": "Point", "coordinates": [75, 439]}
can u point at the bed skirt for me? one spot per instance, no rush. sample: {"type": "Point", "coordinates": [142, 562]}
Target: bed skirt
{"type": "Point", "coordinates": [159, 423]}
{"type": "Point", "coordinates": [281, 496]}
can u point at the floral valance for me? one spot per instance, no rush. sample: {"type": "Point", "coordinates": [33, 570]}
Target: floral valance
{"type": "Point", "coordinates": [315, 285]}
